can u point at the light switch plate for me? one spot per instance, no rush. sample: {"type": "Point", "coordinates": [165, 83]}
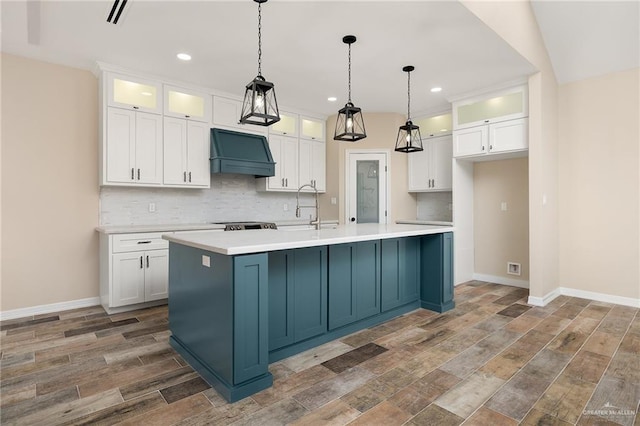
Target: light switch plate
{"type": "Point", "coordinates": [206, 261]}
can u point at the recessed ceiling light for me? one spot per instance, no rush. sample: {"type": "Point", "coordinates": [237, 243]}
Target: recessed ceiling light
{"type": "Point", "coordinates": [436, 89]}
{"type": "Point", "coordinates": [332, 99]}
{"type": "Point", "coordinates": [184, 56]}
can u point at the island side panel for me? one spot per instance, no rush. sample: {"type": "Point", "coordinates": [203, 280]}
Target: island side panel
{"type": "Point", "coordinates": [201, 307]}
{"type": "Point", "coordinates": [436, 275]}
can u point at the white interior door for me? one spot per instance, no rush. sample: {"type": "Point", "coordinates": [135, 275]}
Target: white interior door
{"type": "Point", "coordinates": [366, 187]}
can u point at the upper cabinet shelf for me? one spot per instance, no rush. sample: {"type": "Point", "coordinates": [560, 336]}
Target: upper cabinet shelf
{"type": "Point", "coordinates": [434, 126]}
{"type": "Point", "coordinates": [287, 126]}
{"type": "Point", "coordinates": [499, 106]}
{"type": "Point", "coordinates": [132, 93]}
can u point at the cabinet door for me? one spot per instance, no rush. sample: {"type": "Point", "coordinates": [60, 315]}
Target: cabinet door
{"type": "Point", "coordinates": [509, 135]}
{"type": "Point", "coordinates": [288, 125]}
{"type": "Point", "coordinates": [148, 148]}
{"type": "Point", "coordinates": [284, 150]}
{"type": "Point", "coordinates": [472, 141]}
{"type": "Point", "coordinates": [354, 282]}
{"type": "Point", "coordinates": [175, 151]}
{"type": "Point", "coordinates": [198, 173]}
{"type": "Point", "coordinates": [121, 133]}
{"type": "Point", "coordinates": [133, 93]}
{"type": "Point", "coordinates": [310, 292]}
{"type": "Point", "coordinates": [507, 104]}
{"type": "Point", "coordinates": [275, 146]}
{"type": "Point", "coordinates": [418, 169]}
{"type": "Point", "coordinates": [127, 279]}
{"type": "Point", "coordinates": [319, 166]}
{"type": "Point", "coordinates": [441, 153]}
{"type": "Point", "coordinates": [312, 128]}
{"type": "Point", "coordinates": [281, 309]}
{"type": "Point", "coordinates": [400, 271]}
{"type": "Point", "coordinates": [188, 104]}
{"type": "Point", "coordinates": [226, 113]}
{"type": "Point", "coordinates": [156, 275]}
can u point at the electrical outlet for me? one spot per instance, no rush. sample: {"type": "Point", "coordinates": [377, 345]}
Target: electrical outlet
{"type": "Point", "coordinates": [285, 207]}
{"type": "Point", "coordinates": [152, 207]}
{"type": "Point", "coordinates": [206, 261]}
{"type": "Point", "coordinates": [334, 201]}
{"type": "Point", "coordinates": [503, 206]}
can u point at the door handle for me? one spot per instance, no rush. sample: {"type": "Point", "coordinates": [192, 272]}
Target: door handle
{"type": "Point", "coordinates": [353, 219]}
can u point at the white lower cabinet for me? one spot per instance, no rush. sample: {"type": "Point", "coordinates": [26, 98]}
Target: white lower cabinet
{"type": "Point", "coordinates": [500, 137]}
{"type": "Point", "coordinates": [430, 169]}
{"type": "Point", "coordinates": [134, 269]}
{"type": "Point", "coordinates": [186, 153]}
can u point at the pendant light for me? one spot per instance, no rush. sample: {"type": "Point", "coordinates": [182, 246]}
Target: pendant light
{"type": "Point", "coordinates": [349, 123]}
{"type": "Point", "coordinates": [260, 106]}
{"type": "Point", "coordinates": [409, 139]}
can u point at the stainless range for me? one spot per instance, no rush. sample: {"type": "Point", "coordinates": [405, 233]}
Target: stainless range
{"type": "Point", "coordinates": [243, 226]}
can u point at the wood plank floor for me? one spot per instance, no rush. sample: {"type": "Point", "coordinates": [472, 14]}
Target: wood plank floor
{"type": "Point", "coordinates": [493, 360]}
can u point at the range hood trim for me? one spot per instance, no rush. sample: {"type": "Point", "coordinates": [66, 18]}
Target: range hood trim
{"type": "Point", "coordinates": [253, 159]}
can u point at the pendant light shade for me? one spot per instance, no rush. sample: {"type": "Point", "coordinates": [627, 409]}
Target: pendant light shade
{"type": "Point", "coordinates": [260, 106]}
{"type": "Point", "coordinates": [349, 123]}
{"type": "Point", "coordinates": [409, 139]}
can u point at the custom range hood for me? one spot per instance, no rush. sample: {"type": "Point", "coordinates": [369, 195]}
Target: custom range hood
{"type": "Point", "coordinates": [241, 153]}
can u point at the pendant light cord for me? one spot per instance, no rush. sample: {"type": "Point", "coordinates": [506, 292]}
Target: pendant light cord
{"type": "Point", "coordinates": [260, 39]}
{"type": "Point", "coordinates": [409, 96]}
{"type": "Point", "coordinates": [349, 72]}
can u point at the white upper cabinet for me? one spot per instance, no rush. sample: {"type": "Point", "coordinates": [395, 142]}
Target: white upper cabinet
{"type": "Point", "coordinates": [284, 150]}
{"type": "Point", "coordinates": [187, 104]}
{"type": "Point", "coordinates": [226, 114]}
{"type": "Point", "coordinates": [186, 153]}
{"type": "Point", "coordinates": [133, 148]}
{"type": "Point", "coordinates": [499, 106]}
{"type": "Point", "coordinates": [430, 169]}
{"type": "Point", "coordinates": [133, 93]}
{"type": "Point", "coordinates": [434, 126]}
{"type": "Point", "coordinates": [288, 125]}
{"type": "Point", "coordinates": [312, 128]}
{"type": "Point", "coordinates": [494, 126]}
{"type": "Point", "coordinates": [312, 165]}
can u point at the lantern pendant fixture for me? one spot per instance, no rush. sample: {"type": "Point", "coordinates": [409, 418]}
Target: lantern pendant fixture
{"type": "Point", "coordinates": [409, 139]}
{"type": "Point", "coordinates": [259, 106]}
{"type": "Point", "coordinates": [349, 123]}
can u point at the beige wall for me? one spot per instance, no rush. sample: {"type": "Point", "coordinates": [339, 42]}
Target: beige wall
{"type": "Point", "coordinates": [600, 184]}
{"type": "Point", "coordinates": [516, 24]}
{"type": "Point", "coordinates": [49, 183]}
{"type": "Point", "coordinates": [501, 236]}
{"type": "Point", "coordinates": [382, 130]}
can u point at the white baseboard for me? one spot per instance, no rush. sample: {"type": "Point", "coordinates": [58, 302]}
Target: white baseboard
{"type": "Point", "coordinates": [501, 280]}
{"type": "Point", "coordinates": [601, 297]}
{"type": "Point", "coordinates": [542, 301]}
{"type": "Point", "coordinates": [46, 309]}
{"type": "Point", "coordinates": [583, 294]}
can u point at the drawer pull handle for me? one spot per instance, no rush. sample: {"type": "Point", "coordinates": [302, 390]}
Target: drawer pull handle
{"type": "Point", "coordinates": [144, 242]}
{"type": "Point", "coordinates": [140, 262]}
{"type": "Point", "coordinates": [147, 261]}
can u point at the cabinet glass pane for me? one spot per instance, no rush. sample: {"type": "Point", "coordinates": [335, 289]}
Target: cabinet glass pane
{"type": "Point", "coordinates": [132, 93]}
{"type": "Point", "coordinates": [312, 128]}
{"type": "Point", "coordinates": [433, 126]}
{"type": "Point", "coordinates": [511, 103]}
{"type": "Point", "coordinates": [186, 104]}
{"type": "Point", "coordinates": [286, 125]}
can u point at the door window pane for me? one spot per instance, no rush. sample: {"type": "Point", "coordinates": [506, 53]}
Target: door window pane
{"type": "Point", "coordinates": [367, 191]}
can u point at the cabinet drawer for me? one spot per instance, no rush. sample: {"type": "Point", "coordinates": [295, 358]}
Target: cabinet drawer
{"type": "Point", "coordinates": [136, 242]}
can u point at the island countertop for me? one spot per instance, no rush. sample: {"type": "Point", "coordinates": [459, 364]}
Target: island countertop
{"type": "Point", "coordinates": [257, 241]}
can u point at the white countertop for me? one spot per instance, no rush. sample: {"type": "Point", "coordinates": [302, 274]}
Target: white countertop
{"type": "Point", "coordinates": [134, 229]}
{"type": "Point", "coordinates": [256, 241]}
{"type": "Point", "coordinates": [424, 222]}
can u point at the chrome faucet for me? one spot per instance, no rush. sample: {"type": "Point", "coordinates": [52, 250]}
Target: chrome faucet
{"type": "Point", "coordinates": [298, 206]}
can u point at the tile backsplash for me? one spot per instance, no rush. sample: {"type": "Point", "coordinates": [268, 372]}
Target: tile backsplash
{"type": "Point", "coordinates": [230, 198]}
{"type": "Point", "coordinates": [434, 206]}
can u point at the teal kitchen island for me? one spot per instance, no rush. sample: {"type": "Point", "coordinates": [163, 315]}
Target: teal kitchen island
{"type": "Point", "coordinates": [240, 300]}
